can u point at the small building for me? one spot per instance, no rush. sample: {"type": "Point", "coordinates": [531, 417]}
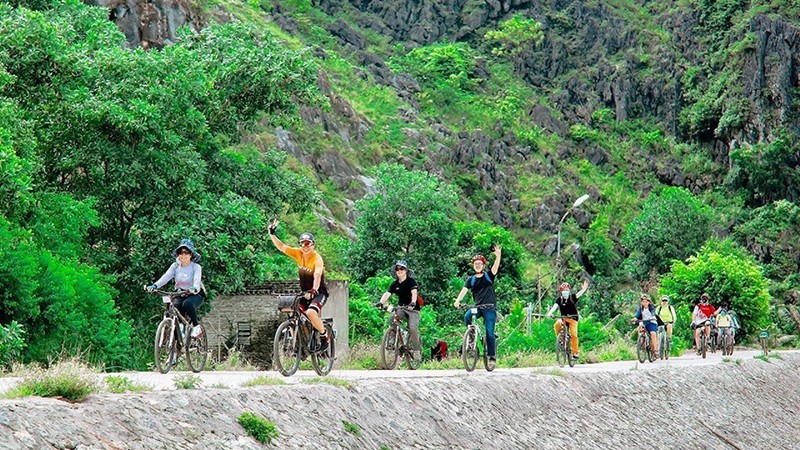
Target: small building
{"type": "Point", "coordinates": [247, 322]}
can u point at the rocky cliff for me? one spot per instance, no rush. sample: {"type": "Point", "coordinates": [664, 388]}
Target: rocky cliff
{"type": "Point", "coordinates": [742, 404]}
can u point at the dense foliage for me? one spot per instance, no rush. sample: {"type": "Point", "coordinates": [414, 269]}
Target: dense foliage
{"type": "Point", "coordinates": [673, 224]}
{"type": "Point", "coordinates": [109, 156]}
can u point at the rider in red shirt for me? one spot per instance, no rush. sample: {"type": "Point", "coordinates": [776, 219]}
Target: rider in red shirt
{"type": "Point", "coordinates": [703, 311]}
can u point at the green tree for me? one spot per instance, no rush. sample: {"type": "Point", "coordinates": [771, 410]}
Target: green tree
{"type": "Point", "coordinates": [409, 217]}
{"type": "Point", "coordinates": [767, 172]}
{"type": "Point", "coordinates": [515, 35]}
{"type": "Point", "coordinates": [727, 274]}
{"type": "Point", "coordinates": [673, 224]}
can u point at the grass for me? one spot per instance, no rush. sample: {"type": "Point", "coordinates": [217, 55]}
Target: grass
{"type": "Point", "coordinates": [188, 381]}
{"type": "Point", "coordinates": [263, 381]}
{"type": "Point", "coordinates": [351, 428]}
{"type": "Point", "coordinates": [551, 371]}
{"type": "Point", "coordinates": [235, 362]}
{"type": "Point", "coordinates": [118, 384]}
{"type": "Point", "coordinates": [260, 428]}
{"type": "Point", "coordinates": [338, 382]}
{"type": "Point", "coordinates": [70, 380]}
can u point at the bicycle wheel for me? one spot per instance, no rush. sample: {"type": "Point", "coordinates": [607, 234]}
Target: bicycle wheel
{"type": "Point", "coordinates": [196, 349]}
{"type": "Point", "coordinates": [560, 353]}
{"type": "Point", "coordinates": [662, 344]}
{"type": "Point", "coordinates": [568, 352]}
{"type": "Point", "coordinates": [703, 344]}
{"type": "Point", "coordinates": [408, 354]}
{"type": "Point", "coordinates": [286, 349]}
{"type": "Point", "coordinates": [712, 343]}
{"type": "Point", "coordinates": [323, 361]}
{"type": "Point", "coordinates": [485, 355]}
{"type": "Point", "coordinates": [164, 347]}
{"type": "Point", "coordinates": [729, 344]}
{"type": "Point", "coordinates": [666, 347]}
{"type": "Point", "coordinates": [469, 349]}
{"type": "Point", "coordinates": [390, 347]}
{"type": "Point", "coordinates": [764, 347]}
{"type": "Point", "coordinates": [641, 348]}
{"type": "Point", "coordinates": [651, 354]}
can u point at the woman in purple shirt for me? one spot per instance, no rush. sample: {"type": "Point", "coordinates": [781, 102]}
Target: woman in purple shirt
{"type": "Point", "coordinates": [188, 276]}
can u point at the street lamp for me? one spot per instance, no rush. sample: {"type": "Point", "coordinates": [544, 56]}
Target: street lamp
{"type": "Point", "coordinates": [577, 203]}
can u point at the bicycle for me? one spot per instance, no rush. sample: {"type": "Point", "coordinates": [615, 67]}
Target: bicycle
{"type": "Point", "coordinates": [663, 343]}
{"type": "Point", "coordinates": [713, 338]}
{"type": "Point", "coordinates": [174, 336]}
{"type": "Point", "coordinates": [726, 340]}
{"type": "Point", "coordinates": [703, 345]}
{"type": "Point", "coordinates": [644, 346]}
{"type": "Point", "coordinates": [470, 351]}
{"type": "Point", "coordinates": [563, 344]}
{"type": "Point", "coordinates": [296, 339]}
{"type": "Point", "coordinates": [395, 342]}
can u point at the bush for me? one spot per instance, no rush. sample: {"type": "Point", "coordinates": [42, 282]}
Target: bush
{"type": "Point", "coordinates": [70, 380]}
{"type": "Point", "coordinates": [11, 343]}
{"type": "Point", "coordinates": [260, 428]}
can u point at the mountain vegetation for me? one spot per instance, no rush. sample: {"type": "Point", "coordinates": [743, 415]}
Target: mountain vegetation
{"type": "Point", "coordinates": [427, 131]}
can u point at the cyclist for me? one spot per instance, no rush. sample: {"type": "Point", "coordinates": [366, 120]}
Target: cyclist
{"type": "Point", "coordinates": [702, 312]}
{"type": "Point", "coordinates": [666, 313]}
{"type": "Point", "coordinates": [311, 270]}
{"type": "Point", "coordinates": [726, 322]}
{"type": "Point", "coordinates": [646, 313]}
{"type": "Point", "coordinates": [188, 276]}
{"type": "Point", "coordinates": [482, 286]}
{"type": "Point", "coordinates": [567, 303]}
{"type": "Point", "coordinates": [405, 287]}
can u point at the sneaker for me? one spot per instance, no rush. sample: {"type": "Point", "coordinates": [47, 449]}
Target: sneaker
{"type": "Point", "coordinates": [417, 355]}
{"type": "Point", "coordinates": [492, 364]}
{"type": "Point", "coordinates": [196, 331]}
{"type": "Point", "coordinates": [575, 356]}
{"type": "Point", "coordinates": [323, 343]}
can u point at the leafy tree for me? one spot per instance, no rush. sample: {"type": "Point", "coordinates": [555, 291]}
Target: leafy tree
{"type": "Point", "coordinates": [409, 217]}
{"type": "Point", "coordinates": [442, 64]}
{"type": "Point", "coordinates": [767, 172]}
{"type": "Point", "coordinates": [515, 35]}
{"type": "Point", "coordinates": [727, 274]}
{"type": "Point", "coordinates": [673, 224]}
{"type": "Point", "coordinates": [599, 248]}
{"type": "Point", "coordinates": [770, 234]}
{"type": "Point", "coordinates": [12, 342]}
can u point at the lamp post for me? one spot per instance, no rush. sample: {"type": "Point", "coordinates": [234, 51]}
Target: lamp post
{"type": "Point", "coordinates": [577, 203]}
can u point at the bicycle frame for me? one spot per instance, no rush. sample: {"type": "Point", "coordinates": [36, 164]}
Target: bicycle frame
{"type": "Point", "coordinates": [644, 344]}
{"type": "Point", "coordinates": [293, 339]}
{"type": "Point", "coordinates": [564, 343]}
{"type": "Point", "coordinates": [470, 351]}
{"type": "Point", "coordinates": [395, 343]}
{"type": "Point", "coordinates": [173, 337]}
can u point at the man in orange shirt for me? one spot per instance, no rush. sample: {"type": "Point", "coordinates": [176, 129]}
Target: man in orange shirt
{"type": "Point", "coordinates": [311, 270]}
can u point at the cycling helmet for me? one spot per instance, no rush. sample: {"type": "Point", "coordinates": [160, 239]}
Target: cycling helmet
{"type": "Point", "coordinates": [645, 296]}
{"type": "Point", "coordinates": [306, 237]}
{"type": "Point", "coordinates": [479, 258]}
{"type": "Point", "coordinates": [564, 287]}
{"type": "Point", "coordinates": [704, 297]}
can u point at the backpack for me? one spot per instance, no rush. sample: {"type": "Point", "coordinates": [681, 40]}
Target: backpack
{"type": "Point", "coordinates": [474, 279]}
{"type": "Point", "coordinates": [439, 351]}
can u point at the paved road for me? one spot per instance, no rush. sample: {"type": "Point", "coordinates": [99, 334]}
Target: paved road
{"type": "Point", "coordinates": [235, 379]}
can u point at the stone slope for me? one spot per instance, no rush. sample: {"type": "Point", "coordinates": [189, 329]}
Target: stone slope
{"type": "Point", "coordinates": [749, 404]}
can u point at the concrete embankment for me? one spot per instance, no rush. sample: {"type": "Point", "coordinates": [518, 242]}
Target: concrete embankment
{"type": "Point", "coordinates": [739, 403]}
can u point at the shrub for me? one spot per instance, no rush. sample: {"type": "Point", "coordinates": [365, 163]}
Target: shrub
{"type": "Point", "coordinates": [70, 379]}
{"type": "Point", "coordinates": [188, 381]}
{"type": "Point", "coordinates": [260, 428]}
{"type": "Point", "coordinates": [119, 384]}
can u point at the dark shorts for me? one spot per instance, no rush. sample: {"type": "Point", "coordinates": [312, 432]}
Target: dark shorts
{"type": "Point", "coordinates": [315, 303]}
{"type": "Point", "coordinates": [650, 326]}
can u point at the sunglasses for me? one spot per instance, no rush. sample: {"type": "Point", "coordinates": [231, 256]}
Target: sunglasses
{"type": "Point", "coordinates": [398, 269]}
{"type": "Point", "coordinates": [306, 243]}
